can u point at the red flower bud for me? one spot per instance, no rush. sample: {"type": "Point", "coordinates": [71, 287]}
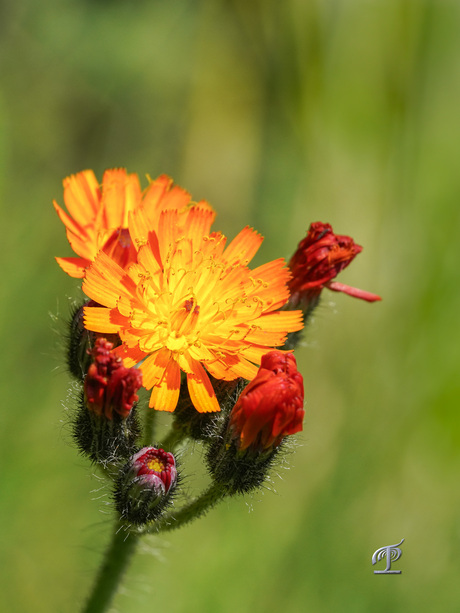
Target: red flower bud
{"type": "Point", "coordinates": [109, 386]}
{"type": "Point", "coordinates": [145, 485]}
{"type": "Point", "coordinates": [271, 406]}
{"type": "Point", "coordinates": [154, 468]}
{"type": "Point", "coordinates": [319, 258]}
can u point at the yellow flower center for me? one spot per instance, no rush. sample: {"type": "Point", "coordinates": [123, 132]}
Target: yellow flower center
{"type": "Point", "coordinates": [156, 464]}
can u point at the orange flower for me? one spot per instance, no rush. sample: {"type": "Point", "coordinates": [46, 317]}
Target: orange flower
{"type": "Point", "coordinates": [189, 303]}
{"type": "Point", "coordinates": [98, 215]}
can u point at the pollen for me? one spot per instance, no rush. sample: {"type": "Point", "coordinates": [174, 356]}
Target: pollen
{"type": "Point", "coordinates": [156, 464]}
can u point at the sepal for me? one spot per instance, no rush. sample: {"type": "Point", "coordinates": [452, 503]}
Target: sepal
{"type": "Point", "coordinates": [103, 440]}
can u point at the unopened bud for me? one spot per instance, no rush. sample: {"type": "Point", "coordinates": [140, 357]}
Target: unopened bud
{"type": "Point", "coordinates": [106, 427]}
{"type": "Point", "coordinates": [319, 258]}
{"type": "Point", "coordinates": [271, 406]}
{"type": "Point", "coordinates": [109, 386]}
{"type": "Point", "coordinates": [269, 409]}
{"type": "Point", "coordinates": [145, 485]}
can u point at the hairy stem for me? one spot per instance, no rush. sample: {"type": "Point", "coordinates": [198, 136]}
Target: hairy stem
{"type": "Point", "coordinates": [115, 563]}
{"type": "Point", "coordinates": [195, 509]}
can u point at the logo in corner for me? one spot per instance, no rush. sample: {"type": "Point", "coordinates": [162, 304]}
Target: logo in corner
{"type": "Point", "coordinates": [391, 553]}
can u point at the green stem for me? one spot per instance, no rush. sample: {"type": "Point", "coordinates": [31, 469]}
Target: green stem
{"type": "Point", "coordinates": [195, 509]}
{"type": "Point", "coordinates": [111, 572]}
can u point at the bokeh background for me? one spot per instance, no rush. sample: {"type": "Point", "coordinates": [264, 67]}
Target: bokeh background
{"type": "Point", "coordinates": [279, 114]}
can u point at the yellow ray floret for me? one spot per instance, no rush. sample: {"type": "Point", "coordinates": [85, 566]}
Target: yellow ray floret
{"type": "Point", "coordinates": [188, 304]}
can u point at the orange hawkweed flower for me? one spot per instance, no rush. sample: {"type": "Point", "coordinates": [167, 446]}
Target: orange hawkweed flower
{"type": "Point", "coordinates": [189, 304]}
{"type": "Point", "coordinates": [98, 214]}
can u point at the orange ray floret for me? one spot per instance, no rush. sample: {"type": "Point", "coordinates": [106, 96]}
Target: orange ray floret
{"type": "Point", "coordinates": [188, 304]}
{"type": "Point", "coordinates": [97, 217]}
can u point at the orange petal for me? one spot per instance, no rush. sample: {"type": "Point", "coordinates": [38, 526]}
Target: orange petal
{"type": "Point", "coordinates": [221, 369]}
{"type": "Point", "coordinates": [154, 366]}
{"type": "Point", "coordinates": [168, 229]}
{"type": "Point", "coordinates": [121, 193]}
{"type": "Point", "coordinates": [174, 197]}
{"type": "Point", "coordinates": [270, 283]}
{"type": "Point", "coordinates": [98, 319]}
{"type": "Point", "coordinates": [105, 281]}
{"type": "Point", "coordinates": [148, 260]}
{"type": "Point", "coordinates": [244, 369]}
{"type": "Point", "coordinates": [165, 394]}
{"type": "Point", "coordinates": [75, 267]}
{"type": "Point", "coordinates": [85, 245]}
{"type": "Point", "coordinates": [139, 227]}
{"type": "Point", "coordinates": [155, 192]}
{"type": "Point", "coordinates": [281, 321]}
{"type": "Point", "coordinates": [243, 247]}
{"type": "Point", "coordinates": [82, 197]}
{"type": "Point", "coordinates": [200, 389]}
{"type": "Point", "coordinates": [130, 355]}
{"type": "Point", "coordinates": [198, 223]}
{"type": "Point", "coordinates": [254, 353]}
{"type": "Point", "coordinates": [69, 223]}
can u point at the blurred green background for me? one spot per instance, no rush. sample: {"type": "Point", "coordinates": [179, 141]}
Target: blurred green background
{"type": "Point", "coordinates": [279, 114]}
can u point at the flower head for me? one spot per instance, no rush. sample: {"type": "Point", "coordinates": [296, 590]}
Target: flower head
{"type": "Point", "coordinates": [189, 304]}
{"type": "Point", "coordinates": [154, 468]}
{"type": "Point", "coordinates": [319, 258]}
{"type": "Point", "coordinates": [110, 386]}
{"type": "Point", "coordinates": [97, 215]}
{"type": "Point", "coordinates": [271, 406]}
{"type": "Point", "coordinates": [145, 485]}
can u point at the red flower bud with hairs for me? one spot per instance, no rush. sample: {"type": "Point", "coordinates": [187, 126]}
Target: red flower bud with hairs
{"type": "Point", "coordinates": [271, 406]}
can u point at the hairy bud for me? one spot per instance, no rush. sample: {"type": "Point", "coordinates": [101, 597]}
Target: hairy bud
{"type": "Point", "coordinates": [269, 409]}
{"type": "Point", "coordinates": [145, 485]}
{"type": "Point", "coordinates": [106, 427]}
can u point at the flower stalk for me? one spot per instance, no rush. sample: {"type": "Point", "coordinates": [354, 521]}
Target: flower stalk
{"type": "Point", "coordinates": [198, 507]}
{"type": "Point", "coordinates": [115, 564]}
